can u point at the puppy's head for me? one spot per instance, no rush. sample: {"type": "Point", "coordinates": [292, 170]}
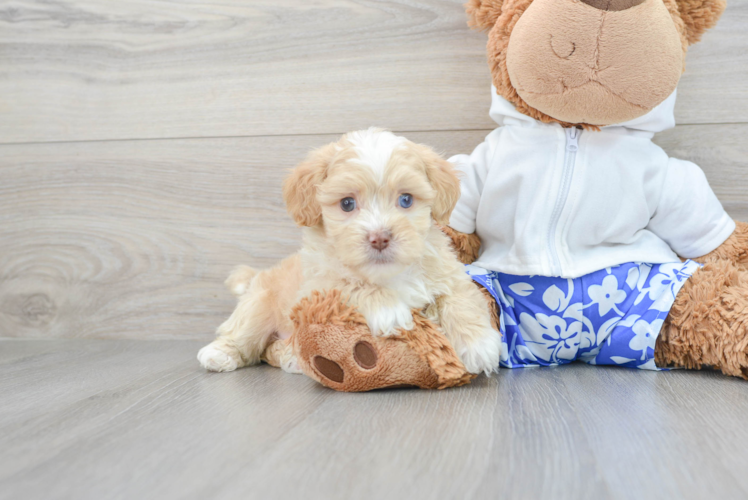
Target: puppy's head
{"type": "Point", "coordinates": [375, 195]}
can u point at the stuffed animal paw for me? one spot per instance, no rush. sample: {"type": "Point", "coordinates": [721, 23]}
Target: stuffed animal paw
{"type": "Point", "coordinates": [332, 344]}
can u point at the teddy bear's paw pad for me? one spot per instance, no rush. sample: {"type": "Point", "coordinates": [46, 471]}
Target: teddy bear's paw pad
{"type": "Point", "coordinates": [329, 369]}
{"type": "Point", "coordinates": [365, 355]}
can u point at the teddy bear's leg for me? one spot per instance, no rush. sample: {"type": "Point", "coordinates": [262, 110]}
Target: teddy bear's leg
{"type": "Point", "coordinates": [708, 323]}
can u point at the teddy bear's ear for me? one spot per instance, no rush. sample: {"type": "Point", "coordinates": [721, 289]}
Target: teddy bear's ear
{"type": "Point", "coordinates": [482, 14]}
{"type": "Point", "coordinates": [699, 16]}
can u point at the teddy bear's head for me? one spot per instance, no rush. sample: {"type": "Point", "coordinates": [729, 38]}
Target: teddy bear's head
{"type": "Point", "coordinates": [589, 62]}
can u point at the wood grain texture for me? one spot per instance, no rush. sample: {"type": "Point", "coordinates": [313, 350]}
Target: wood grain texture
{"type": "Point", "coordinates": [152, 424]}
{"type": "Point", "coordinates": [154, 69]}
{"type": "Point", "coordinates": [669, 418]}
{"type": "Point", "coordinates": [133, 239]}
{"type": "Point", "coordinates": [714, 88]}
{"type": "Point", "coordinates": [96, 69]}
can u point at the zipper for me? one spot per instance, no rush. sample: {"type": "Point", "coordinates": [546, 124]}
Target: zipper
{"type": "Point", "coordinates": [570, 157]}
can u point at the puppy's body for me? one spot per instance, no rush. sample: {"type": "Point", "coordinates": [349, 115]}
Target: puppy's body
{"type": "Point", "coordinates": [369, 203]}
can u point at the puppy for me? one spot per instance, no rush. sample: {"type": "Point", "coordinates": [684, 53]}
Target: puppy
{"type": "Point", "coordinates": [369, 204]}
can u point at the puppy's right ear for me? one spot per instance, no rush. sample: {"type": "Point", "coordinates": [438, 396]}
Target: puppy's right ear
{"type": "Point", "coordinates": [300, 188]}
{"type": "Point", "coordinates": [482, 14]}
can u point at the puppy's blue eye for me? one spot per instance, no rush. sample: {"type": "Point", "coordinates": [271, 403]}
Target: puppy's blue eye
{"type": "Point", "coordinates": [406, 200]}
{"type": "Point", "coordinates": [347, 204]}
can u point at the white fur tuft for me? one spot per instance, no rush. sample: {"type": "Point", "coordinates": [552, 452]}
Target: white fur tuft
{"type": "Point", "coordinates": [385, 321]}
{"type": "Point", "coordinates": [374, 148]}
{"type": "Point", "coordinates": [213, 359]}
{"type": "Point", "coordinates": [240, 279]}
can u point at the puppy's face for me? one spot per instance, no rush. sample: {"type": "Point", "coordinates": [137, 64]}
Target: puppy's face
{"type": "Point", "coordinates": [375, 196]}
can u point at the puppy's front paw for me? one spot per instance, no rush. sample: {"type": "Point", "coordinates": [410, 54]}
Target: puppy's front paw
{"type": "Point", "coordinates": [481, 354]}
{"type": "Point", "coordinates": [214, 359]}
{"type": "Point", "coordinates": [386, 321]}
{"type": "Point", "coordinates": [290, 364]}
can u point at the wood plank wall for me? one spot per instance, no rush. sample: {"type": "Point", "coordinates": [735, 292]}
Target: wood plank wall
{"type": "Point", "coordinates": [143, 142]}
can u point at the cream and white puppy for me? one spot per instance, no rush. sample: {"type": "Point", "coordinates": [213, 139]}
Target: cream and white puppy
{"type": "Point", "coordinates": [369, 205]}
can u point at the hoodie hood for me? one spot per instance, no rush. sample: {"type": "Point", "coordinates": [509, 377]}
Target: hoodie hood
{"type": "Point", "coordinates": [661, 118]}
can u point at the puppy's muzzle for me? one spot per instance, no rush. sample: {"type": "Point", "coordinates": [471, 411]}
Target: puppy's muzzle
{"type": "Point", "coordinates": [379, 240]}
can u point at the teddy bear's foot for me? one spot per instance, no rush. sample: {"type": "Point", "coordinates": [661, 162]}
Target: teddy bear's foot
{"type": "Point", "coordinates": [334, 347]}
{"type": "Point", "coordinates": [708, 323]}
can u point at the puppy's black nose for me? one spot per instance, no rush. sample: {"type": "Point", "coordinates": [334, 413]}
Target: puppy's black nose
{"type": "Point", "coordinates": [379, 239]}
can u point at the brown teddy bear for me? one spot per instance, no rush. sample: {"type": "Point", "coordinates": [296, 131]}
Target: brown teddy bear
{"type": "Point", "coordinates": [590, 243]}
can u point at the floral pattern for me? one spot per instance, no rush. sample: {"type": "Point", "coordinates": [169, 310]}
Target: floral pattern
{"type": "Point", "coordinates": [609, 317]}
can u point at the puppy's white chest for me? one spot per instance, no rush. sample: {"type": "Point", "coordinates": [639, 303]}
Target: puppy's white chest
{"type": "Point", "coordinates": [395, 310]}
{"type": "Point", "coordinates": [387, 320]}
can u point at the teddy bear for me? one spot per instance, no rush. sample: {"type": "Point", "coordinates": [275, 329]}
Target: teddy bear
{"type": "Point", "coordinates": [589, 242]}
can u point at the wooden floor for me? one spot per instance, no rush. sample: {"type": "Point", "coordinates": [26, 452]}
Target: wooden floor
{"type": "Point", "coordinates": [142, 148]}
{"type": "Point", "coordinates": [101, 419]}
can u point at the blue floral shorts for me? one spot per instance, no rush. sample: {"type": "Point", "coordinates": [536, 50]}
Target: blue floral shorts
{"type": "Point", "coordinates": [609, 317]}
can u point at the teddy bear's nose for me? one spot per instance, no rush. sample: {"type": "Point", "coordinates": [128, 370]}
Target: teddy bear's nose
{"type": "Point", "coordinates": [613, 5]}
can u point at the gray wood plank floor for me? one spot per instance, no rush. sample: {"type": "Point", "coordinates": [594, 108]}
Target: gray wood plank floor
{"type": "Point", "coordinates": [110, 419]}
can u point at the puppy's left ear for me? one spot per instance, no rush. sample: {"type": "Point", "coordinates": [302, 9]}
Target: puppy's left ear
{"type": "Point", "coordinates": [300, 188]}
{"type": "Point", "coordinates": [443, 178]}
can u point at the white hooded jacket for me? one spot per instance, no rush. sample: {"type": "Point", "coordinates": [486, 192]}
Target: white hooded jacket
{"type": "Point", "coordinates": [550, 201]}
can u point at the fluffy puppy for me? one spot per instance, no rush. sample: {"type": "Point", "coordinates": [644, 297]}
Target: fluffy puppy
{"type": "Point", "coordinates": [369, 205]}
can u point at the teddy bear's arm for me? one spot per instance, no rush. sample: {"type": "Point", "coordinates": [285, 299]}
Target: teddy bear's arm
{"type": "Point", "coordinates": [734, 249]}
{"type": "Point", "coordinates": [467, 246]}
{"type": "Point", "coordinates": [688, 216]}
{"type": "Point", "coordinates": [473, 169]}
{"type": "Point", "coordinates": [473, 172]}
